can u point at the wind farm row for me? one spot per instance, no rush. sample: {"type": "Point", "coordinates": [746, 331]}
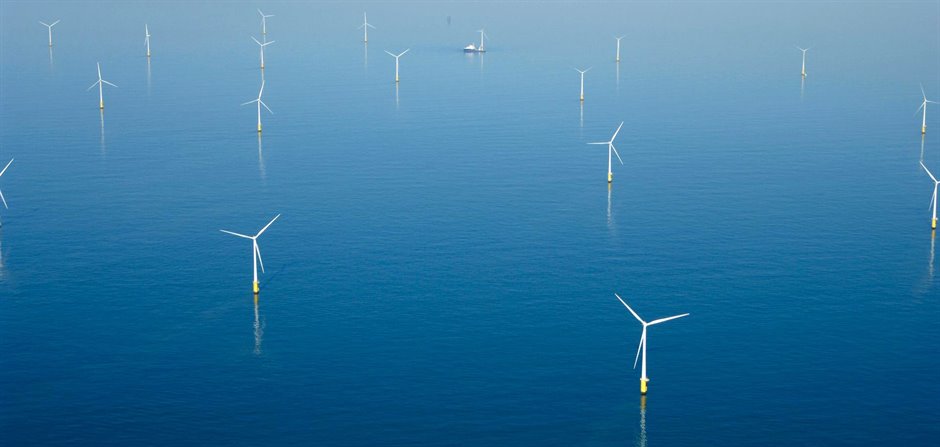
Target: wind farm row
{"type": "Point", "coordinates": [258, 101]}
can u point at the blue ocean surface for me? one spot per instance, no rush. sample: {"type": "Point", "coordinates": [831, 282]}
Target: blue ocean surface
{"type": "Point", "coordinates": [444, 268]}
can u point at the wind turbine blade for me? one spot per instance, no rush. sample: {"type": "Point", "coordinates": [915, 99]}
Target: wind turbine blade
{"type": "Point", "coordinates": [106, 82]}
{"type": "Point", "coordinates": [44, 23]}
{"type": "Point", "coordinates": [922, 91]}
{"type": "Point", "coordinates": [258, 253]}
{"type": "Point", "coordinates": [602, 142]}
{"type": "Point", "coordinates": [268, 225]}
{"type": "Point", "coordinates": [639, 348]}
{"type": "Point", "coordinates": [390, 54]}
{"type": "Point", "coordinates": [661, 320]}
{"type": "Point", "coordinates": [616, 132]}
{"type": "Point", "coordinates": [5, 167]}
{"type": "Point", "coordinates": [267, 43]}
{"type": "Point", "coordinates": [53, 23]}
{"type": "Point", "coordinates": [261, 13]}
{"type": "Point", "coordinates": [256, 40]}
{"type": "Point", "coordinates": [249, 102]}
{"type": "Point", "coordinates": [370, 25]}
{"type": "Point", "coordinates": [932, 198]}
{"type": "Point", "coordinates": [403, 52]}
{"type": "Point", "coordinates": [921, 107]}
{"type": "Point", "coordinates": [615, 153]}
{"type": "Point", "coordinates": [4, 200]}
{"type": "Point", "coordinates": [921, 165]}
{"type": "Point", "coordinates": [266, 106]}
{"type": "Point", "coordinates": [361, 26]}
{"type": "Point", "coordinates": [237, 234]}
{"type": "Point", "coordinates": [92, 86]}
{"type": "Point", "coordinates": [631, 310]}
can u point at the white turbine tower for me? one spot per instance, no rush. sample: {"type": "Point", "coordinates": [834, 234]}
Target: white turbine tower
{"type": "Point", "coordinates": [642, 347]}
{"type": "Point", "coordinates": [611, 150]}
{"type": "Point", "coordinates": [147, 38]}
{"type": "Point", "coordinates": [923, 105]}
{"type": "Point", "coordinates": [933, 200]}
{"type": "Point", "coordinates": [365, 28]}
{"type": "Point", "coordinates": [482, 33]}
{"type": "Point", "coordinates": [618, 47]}
{"type": "Point", "coordinates": [50, 29]}
{"type": "Point", "coordinates": [260, 103]}
{"type": "Point", "coordinates": [582, 80]}
{"type": "Point", "coordinates": [264, 26]}
{"type": "Point", "coordinates": [262, 45]}
{"type": "Point", "coordinates": [804, 50]}
{"type": "Point", "coordinates": [99, 83]}
{"type": "Point", "coordinates": [396, 56]}
{"type": "Point", "coordinates": [255, 252]}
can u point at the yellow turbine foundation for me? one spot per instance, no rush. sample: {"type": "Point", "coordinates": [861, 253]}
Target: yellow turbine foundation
{"type": "Point", "coordinates": [923, 130]}
{"type": "Point", "coordinates": [610, 177]}
{"type": "Point", "coordinates": [254, 287]}
{"type": "Point", "coordinates": [933, 224]}
{"type": "Point", "coordinates": [643, 386]}
{"type": "Point", "coordinates": [101, 104]}
{"type": "Point", "coordinates": [259, 128]}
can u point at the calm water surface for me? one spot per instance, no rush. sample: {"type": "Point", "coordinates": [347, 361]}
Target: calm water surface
{"type": "Point", "coordinates": [444, 268]}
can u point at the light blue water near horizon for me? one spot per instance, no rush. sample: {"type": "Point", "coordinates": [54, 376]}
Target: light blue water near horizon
{"type": "Point", "coordinates": [444, 267]}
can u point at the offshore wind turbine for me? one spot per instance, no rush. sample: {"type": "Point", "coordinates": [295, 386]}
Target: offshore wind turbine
{"type": "Point", "coordinates": [50, 29]}
{"type": "Point", "coordinates": [804, 50]}
{"type": "Point", "coordinates": [611, 150]}
{"type": "Point", "coordinates": [642, 347]}
{"type": "Point", "coordinates": [933, 200]}
{"type": "Point", "coordinates": [147, 38]}
{"type": "Point", "coordinates": [582, 80]}
{"type": "Point", "coordinates": [264, 26]}
{"type": "Point", "coordinates": [482, 33]}
{"type": "Point", "coordinates": [923, 105]}
{"type": "Point", "coordinates": [255, 252]}
{"type": "Point", "coordinates": [262, 45]}
{"type": "Point", "coordinates": [260, 103]}
{"type": "Point", "coordinates": [396, 56]}
{"type": "Point", "coordinates": [365, 28]}
{"type": "Point", "coordinates": [1, 191]}
{"type": "Point", "coordinates": [618, 47]}
{"type": "Point", "coordinates": [99, 83]}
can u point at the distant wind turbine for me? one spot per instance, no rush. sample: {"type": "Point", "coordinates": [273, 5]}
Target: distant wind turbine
{"type": "Point", "coordinates": [50, 29]}
{"type": "Point", "coordinates": [365, 28]}
{"type": "Point", "coordinates": [582, 80]}
{"type": "Point", "coordinates": [99, 83]}
{"type": "Point", "coordinates": [804, 50]}
{"type": "Point", "coordinates": [611, 150]}
{"type": "Point", "coordinates": [255, 252]}
{"type": "Point", "coordinates": [642, 347]}
{"type": "Point", "coordinates": [933, 200]}
{"type": "Point", "coordinates": [483, 33]}
{"type": "Point", "coordinates": [1, 191]}
{"type": "Point", "coordinates": [396, 56]}
{"type": "Point", "coordinates": [264, 27]}
{"type": "Point", "coordinates": [260, 103]}
{"type": "Point", "coordinates": [923, 105]}
{"type": "Point", "coordinates": [262, 45]}
{"type": "Point", "coordinates": [147, 38]}
{"type": "Point", "coordinates": [618, 47]}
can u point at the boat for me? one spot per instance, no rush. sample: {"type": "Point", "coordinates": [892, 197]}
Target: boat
{"type": "Point", "coordinates": [472, 49]}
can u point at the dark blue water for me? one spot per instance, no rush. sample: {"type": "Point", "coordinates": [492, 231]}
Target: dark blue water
{"type": "Point", "coordinates": [445, 265]}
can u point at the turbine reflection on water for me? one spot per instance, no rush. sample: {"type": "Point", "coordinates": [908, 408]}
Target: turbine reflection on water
{"type": "Point", "coordinates": [258, 329]}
